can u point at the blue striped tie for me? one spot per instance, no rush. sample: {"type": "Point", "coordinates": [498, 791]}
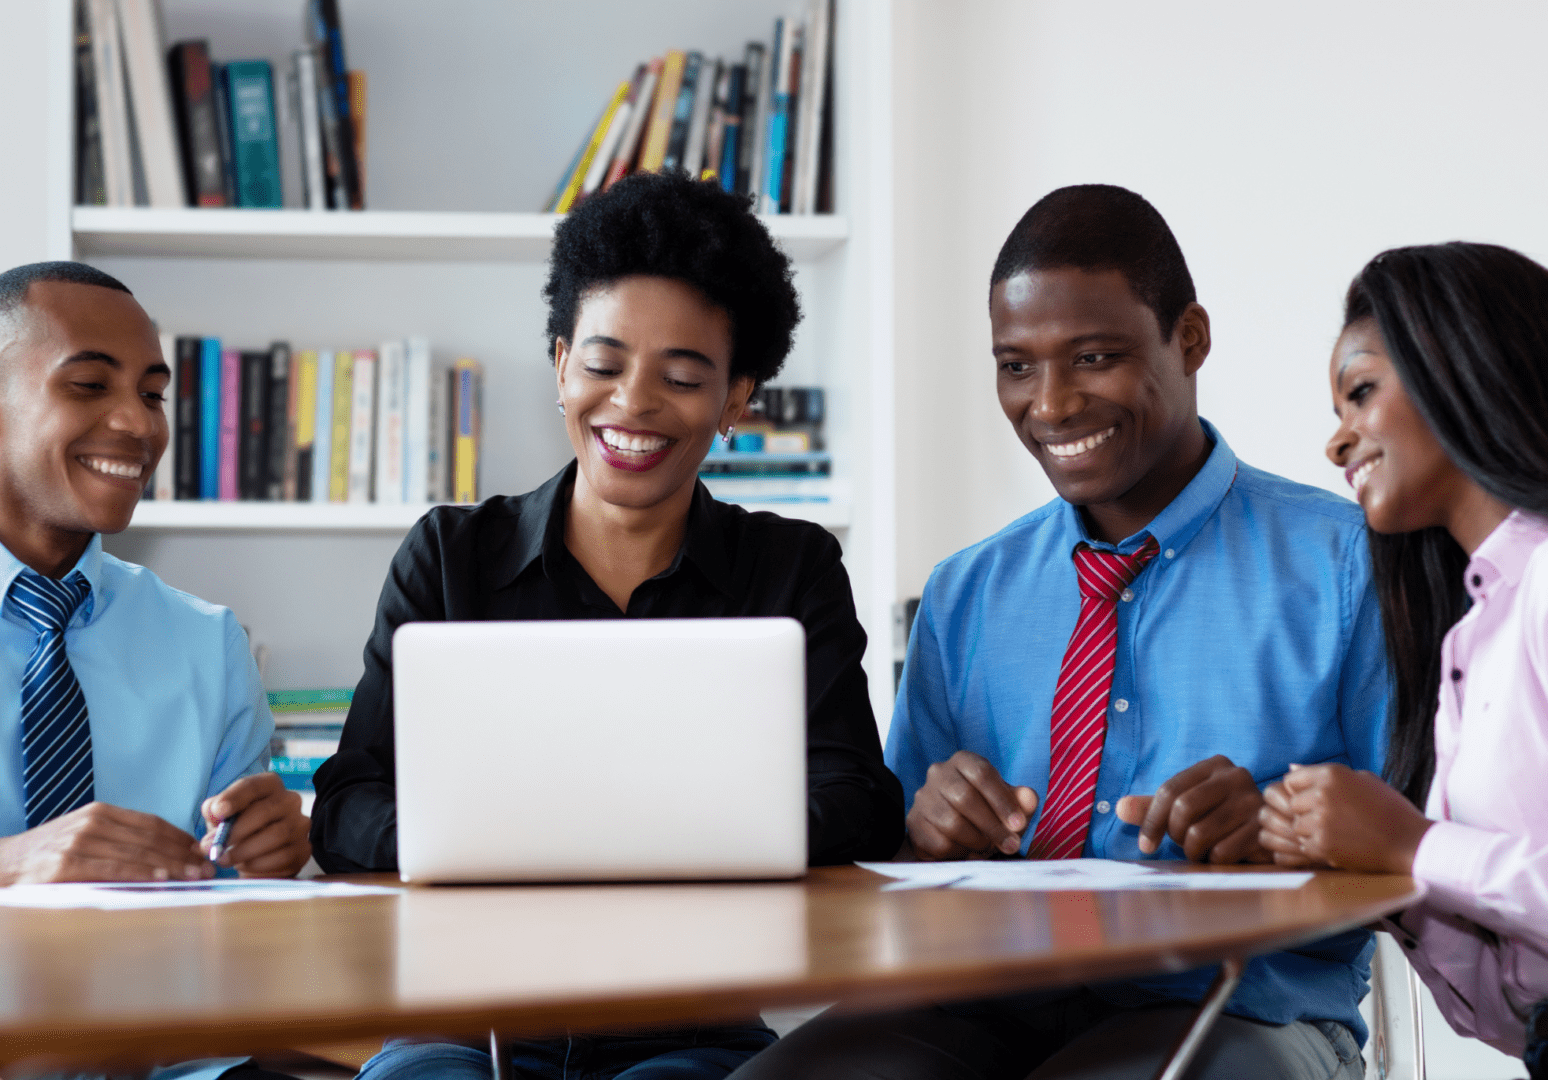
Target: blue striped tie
{"type": "Point", "coordinates": [56, 736]}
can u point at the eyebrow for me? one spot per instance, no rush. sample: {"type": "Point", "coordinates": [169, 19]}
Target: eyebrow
{"type": "Point", "coordinates": [683, 354]}
{"type": "Point", "coordinates": [92, 356]}
{"type": "Point", "coordinates": [1349, 357]}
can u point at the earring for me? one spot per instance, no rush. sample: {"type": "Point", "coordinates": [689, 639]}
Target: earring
{"type": "Point", "coordinates": [560, 402]}
{"type": "Point", "coordinates": [730, 431]}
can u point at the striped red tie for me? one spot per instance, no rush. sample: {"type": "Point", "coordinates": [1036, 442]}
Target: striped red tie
{"type": "Point", "coordinates": [1079, 724]}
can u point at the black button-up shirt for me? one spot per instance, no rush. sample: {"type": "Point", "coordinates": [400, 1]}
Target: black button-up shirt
{"type": "Point", "coordinates": [506, 559]}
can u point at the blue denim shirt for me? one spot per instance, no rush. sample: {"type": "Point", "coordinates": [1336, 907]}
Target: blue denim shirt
{"type": "Point", "coordinates": [1254, 634]}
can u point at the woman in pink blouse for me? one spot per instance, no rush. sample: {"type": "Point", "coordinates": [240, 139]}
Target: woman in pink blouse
{"type": "Point", "coordinates": [1440, 382]}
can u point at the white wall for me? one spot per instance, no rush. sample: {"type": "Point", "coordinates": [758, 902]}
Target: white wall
{"type": "Point", "coordinates": [1285, 144]}
{"type": "Point", "coordinates": [32, 179]}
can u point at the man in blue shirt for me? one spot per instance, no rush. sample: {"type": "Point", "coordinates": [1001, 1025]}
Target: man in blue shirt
{"type": "Point", "coordinates": [1242, 636]}
{"type": "Point", "coordinates": [131, 715]}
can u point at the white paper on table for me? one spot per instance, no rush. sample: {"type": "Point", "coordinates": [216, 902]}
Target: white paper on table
{"type": "Point", "coordinates": [166, 894]}
{"type": "Point", "coordinates": [1067, 874]}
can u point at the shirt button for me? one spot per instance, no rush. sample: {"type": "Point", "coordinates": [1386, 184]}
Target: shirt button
{"type": "Point", "coordinates": [1126, 595]}
{"type": "Point", "coordinates": [1104, 806]}
{"type": "Point", "coordinates": [1456, 674]}
{"type": "Point", "coordinates": [1410, 943]}
{"type": "Point", "coordinates": [1122, 705]}
{"type": "Point", "coordinates": [1170, 553]}
{"type": "Point", "coordinates": [1477, 580]}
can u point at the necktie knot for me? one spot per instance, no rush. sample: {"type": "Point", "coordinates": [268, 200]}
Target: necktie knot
{"type": "Point", "coordinates": [47, 604]}
{"type": "Point", "coordinates": [1103, 575]}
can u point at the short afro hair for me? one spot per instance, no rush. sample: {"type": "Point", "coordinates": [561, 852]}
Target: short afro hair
{"type": "Point", "coordinates": [667, 225]}
{"type": "Point", "coordinates": [1097, 227]}
{"type": "Point", "coordinates": [15, 282]}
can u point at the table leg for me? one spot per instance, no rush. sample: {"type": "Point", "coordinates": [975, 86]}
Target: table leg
{"type": "Point", "coordinates": [496, 1058]}
{"type": "Point", "coordinates": [1209, 1011]}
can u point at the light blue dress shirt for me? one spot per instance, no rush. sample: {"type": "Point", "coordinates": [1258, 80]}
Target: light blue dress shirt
{"type": "Point", "coordinates": [177, 710]}
{"type": "Point", "coordinates": [1254, 634]}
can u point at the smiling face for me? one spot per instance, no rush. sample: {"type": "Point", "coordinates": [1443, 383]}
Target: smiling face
{"type": "Point", "coordinates": [1401, 477]}
{"type": "Point", "coordinates": [646, 386]}
{"type": "Point", "coordinates": [1104, 404]}
{"type": "Point", "coordinates": [81, 420]}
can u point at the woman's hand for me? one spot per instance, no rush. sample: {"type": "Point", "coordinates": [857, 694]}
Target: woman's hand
{"type": "Point", "coordinates": [1337, 817]}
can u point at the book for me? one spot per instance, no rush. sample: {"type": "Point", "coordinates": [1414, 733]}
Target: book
{"type": "Point", "coordinates": [304, 443]}
{"type": "Point", "coordinates": [682, 114]}
{"type": "Point", "coordinates": [569, 173]}
{"type": "Point", "coordinates": [698, 122]}
{"type": "Point", "coordinates": [151, 100]}
{"type": "Point", "coordinates": [714, 139]}
{"type": "Point", "coordinates": [659, 129]}
{"type": "Point", "coordinates": [163, 483]}
{"type": "Point", "coordinates": [747, 137]}
{"type": "Point", "coordinates": [438, 483]}
{"type": "Point", "coordinates": [209, 418]}
{"type": "Point", "coordinates": [779, 119]}
{"type": "Point", "coordinates": [418, 444]}
{"type": "Point", "coordinates": [254, 134]}
{"type": "Point", "coordinates": [812, 107]}
{"type": "Point", "coordinates": [223, 130]}
{"type": "Point", "coordinates": [467, 403]}
{"type": "Point", "coordinates": [759, 179]}
{"type": "Point", "coordinates": [334, 699]}
{"type": "Point", "coordinates": [572, 188]}
{"type": "Point", "coordinates": [279, 434]}
{"type": "Point", "coordinates": [193, 95]}
{"type": "Point", "coordinates": [314, 176]}
{"type": "Point", "coordinates": [90, 183]}
{"type": "Point", "coordinates": [343, 412]}
{"type": "Point", "coordinates": [616, 127]}
{"type": "Point", "coordinates": [356, 81]}
{"type": "Point", "coordinates": [253, 412]}
{"type": "Point", "coordinates": [322, 437]}
{"type": "Point", "coordinates": [731, 140]}
{"type": "Point", "coordinates": [112, 102]}
{"type": "Point", "coordinates": [228, 449]}
{"type": "Point", "coordinates": [325, 34]}
{"type": "Point", "coordinates": [362, 428]}
{"type": "Point", "coordinates": [186, 430]}
{"type": "Point", "coordinates": [629, 144]}
{"type": "Point", "coordinates": [391, 385]}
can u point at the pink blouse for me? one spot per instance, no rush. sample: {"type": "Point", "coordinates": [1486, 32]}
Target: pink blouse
{"type": "Point", "coordinates": [1480, 937]}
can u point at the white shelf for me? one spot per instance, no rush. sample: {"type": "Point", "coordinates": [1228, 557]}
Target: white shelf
{"type": "Point", "coordinates": [370, 234]}
{"type": "Point", "coordinates": [196, 515]}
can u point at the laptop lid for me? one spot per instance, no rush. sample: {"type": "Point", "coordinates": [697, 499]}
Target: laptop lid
{"type": "Point", "coordinates": [602, 749]}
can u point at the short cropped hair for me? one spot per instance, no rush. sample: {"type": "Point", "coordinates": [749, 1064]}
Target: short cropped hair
{"type": "Point", "coordinates": [667, 225]}
{"type": "Point", "coordinates": [1097, 227]}
{"type": "Point", "coordinates": [15, 282]}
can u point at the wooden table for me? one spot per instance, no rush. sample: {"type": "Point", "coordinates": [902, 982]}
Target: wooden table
{"type": "Point", "coordinates": [121, 987]}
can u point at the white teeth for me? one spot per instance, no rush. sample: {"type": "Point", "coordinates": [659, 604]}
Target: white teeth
{"type": "Point", "coordinates": [109, 467]}
{"type": "Point", "coordinates": [1362, 474]}
{"type": "Point", "coordinates": [632, 444]}
{"type": "Point", "coordinates": [1080, 446]}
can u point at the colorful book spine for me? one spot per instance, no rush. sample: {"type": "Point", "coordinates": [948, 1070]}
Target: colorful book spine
{"type": "Point", "coordinates": [322, 440]}
{"type": "Point", "coordinates": [164, 483]}
{"type": "Point", "coordinates": [326, 36]}
{"type": "Point", "coordinates": [467, 376]}
{"type": "Point", "coordinates": [305, 441]}
{"type": "Point", "coordinates": [438, 455]}
{"type": "Point", "coordinates": [629, 145]}
{"type": "Point", "coordinates": [391, 385]}
{"type": "Point", "coordinates": [282, 423]}
{"type": "Point", "coordinates": [356, 81]}
{"type": "Point", "coordinates": [254, 133]}
{"type": "Point", "coordinates": [731, 138]}
{"type": "Point", "coordinates": [198, 126]}
{"type": "Point", "coordinates": [615, 132]}
{"type": "Point", "coordinates": [705, 87]}
{"type": "Point", "coordinates": [209, 418]}
{"type": "Point", "coordinates": [417, 442]}
{"type": "Point", "coordinates": [659, 131]}
{"type": "Point", "coordinates": [593, 148]}
{"type": "Point", "coordinates": [186, 431]}
{"type": "Point", "coordinates": [682, 114]}
{"type": "Point", "coordinates": [779, 120]}
{"type": "Point", "coordinates": [252, 442]}
{"type": "Point", "coordinates": [362, 429]}
{"type": "Point", "coordinates": [229, 450]}
{"type": "Point", "coordinates": [223, 131]}
{"type": "Point", "coordinates": [343, 406]}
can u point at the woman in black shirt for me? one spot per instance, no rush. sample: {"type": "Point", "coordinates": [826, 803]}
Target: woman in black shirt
{"type": "Point", "coordinates": [668, 305]}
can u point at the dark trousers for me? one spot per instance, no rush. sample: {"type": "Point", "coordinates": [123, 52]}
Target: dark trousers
{"type": "Point", "coordinates": [1537, 1043]}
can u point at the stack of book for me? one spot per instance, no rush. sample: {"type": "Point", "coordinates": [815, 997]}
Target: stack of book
{"type": "Point", "coordinates": [777, 454]}
{"type": "Point", "coordinates": [762, 127]}
{"type": "Point", "coordinates": [307, 725]}
{"type": "Point", "coordinates": [386, 425]}
{"type": "Point", "coordinates": [179, 129]}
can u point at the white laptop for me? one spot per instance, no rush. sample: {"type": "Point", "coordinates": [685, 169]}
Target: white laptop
{"type": "Point", "coordinates": [620, 749]}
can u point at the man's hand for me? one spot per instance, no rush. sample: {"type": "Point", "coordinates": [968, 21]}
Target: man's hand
{"type": "Point", "coordinates": [269, 836]}
{"type": "Point", "coordinates": [99, 842]}
{"type": "Point", "coordinates": [965, 809]}
{"type": "Point", "coordinates": [1210, 810]}
{"type": "Point", "coordinates": [1349, 820]}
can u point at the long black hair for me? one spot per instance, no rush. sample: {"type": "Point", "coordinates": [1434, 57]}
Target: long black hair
{"type": "Point", "coordinates": [1466, 326]}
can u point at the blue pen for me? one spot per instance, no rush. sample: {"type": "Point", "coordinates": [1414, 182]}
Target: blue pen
{"type": "Point", "coordinates": [218, 844]}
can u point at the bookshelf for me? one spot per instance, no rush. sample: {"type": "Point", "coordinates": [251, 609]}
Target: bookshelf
{"type": "Point", "coordinates": [474, 109]}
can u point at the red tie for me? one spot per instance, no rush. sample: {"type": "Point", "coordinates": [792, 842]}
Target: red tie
{"type": "Point", "coordinates": [1079, 724]}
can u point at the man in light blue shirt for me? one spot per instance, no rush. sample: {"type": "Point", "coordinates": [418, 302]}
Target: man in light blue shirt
{"type": "Point", "coordinates": [1247, 639]}
{"type": "Point", "coordinates": [132, 719]}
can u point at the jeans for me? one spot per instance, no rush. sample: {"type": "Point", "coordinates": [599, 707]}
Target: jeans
{"type": "Point", "coordinates": [701, 1054]}
{"type": "Point", "coordinates": [1536, 1056]}
{"type": "Point", "coordinates": [1072, 1036]}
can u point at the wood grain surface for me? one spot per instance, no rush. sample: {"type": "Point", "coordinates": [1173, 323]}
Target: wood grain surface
{"type": "Point", "coordinates": [126, 987]}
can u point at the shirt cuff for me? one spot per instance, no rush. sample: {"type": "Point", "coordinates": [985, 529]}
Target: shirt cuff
{"type": "Point", "coordinates": [1448, 862]}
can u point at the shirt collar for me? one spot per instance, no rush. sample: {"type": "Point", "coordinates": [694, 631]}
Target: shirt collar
{"type": "Point", "coordinates": [89, 564]}
{"type": "Point", "coordinates": [540, 534]}
{"type": "Point", "coordinates": [1185, 515]}
{"type": "Point", "coordinates": [1504, 553]}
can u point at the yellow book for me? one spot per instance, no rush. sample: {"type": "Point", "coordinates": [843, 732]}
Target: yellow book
{"type": "Point", "coordinates": [572, 190]}
{"type": "Point", "coordinates": [306, 400]}
{"type": "Point", "coordinates": [343, 412]}
{"type": "Point", "coordinates": [659, 133]}
{"type": "Point", "coordinates": [467, 379]}
{"type": "Point", "coordinates": [303, 425]}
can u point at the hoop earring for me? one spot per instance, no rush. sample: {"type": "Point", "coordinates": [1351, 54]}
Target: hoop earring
{"type": "Point", "coordinates": [730, 431]}
{"type": "Point", "coordinates": [560, 402]}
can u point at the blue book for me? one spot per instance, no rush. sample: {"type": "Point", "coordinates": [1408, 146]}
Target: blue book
{"type": "Point", "coordinates": [254, 133]}
{"type": "Point", "coordinates": [209, 419]}
{"type": "Point", "coordinates": [322, 440]}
